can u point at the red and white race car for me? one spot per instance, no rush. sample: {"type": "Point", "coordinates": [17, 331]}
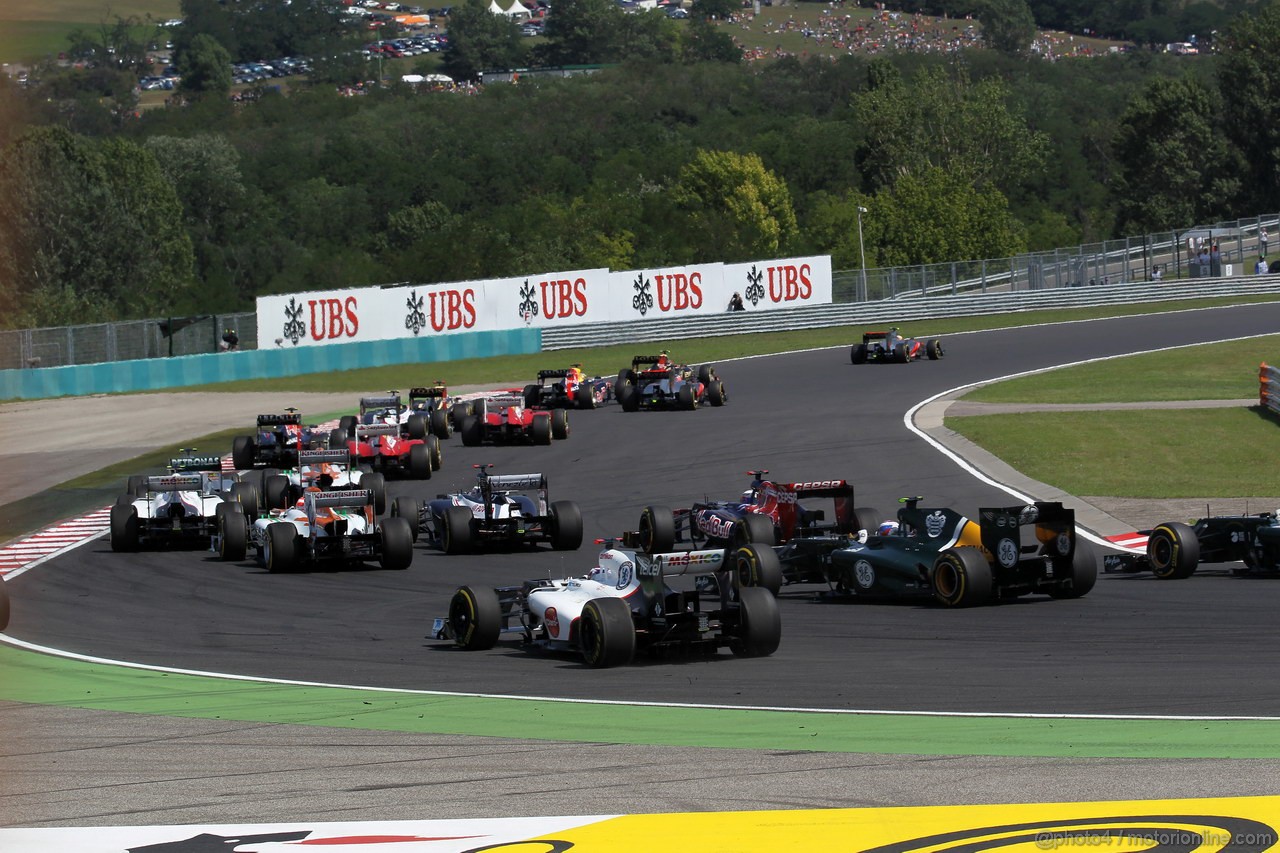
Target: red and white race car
{"type": "Point", "coordinates": [505, 419]}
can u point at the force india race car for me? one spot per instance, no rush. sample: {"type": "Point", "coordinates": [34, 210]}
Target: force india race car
{"type": "Point", "coordinates": [653, 382]}
{"type": "Point", "coordinates": [939, 553]}
{"type": "Point", "coordinates": [505, 510]}
{"type": "Point", "coordinates": [891, 346]}
{"type": "Point", "coordinates": [505, 419]}
{"type": "Point", "coordinates": [622, 606]}
{"type": "Point", "coordinates": [322, 528]}
{"type": "Point", "coordinates": [277, 442]}
{"type": "Point", "coordinates": [327, 470]}
{"type": "Point", "coordinates": [181, 508]}
{"type": "Point", "coordinates": [1174, 550]}
{"type": "Point", "coordinates": [568, 388]}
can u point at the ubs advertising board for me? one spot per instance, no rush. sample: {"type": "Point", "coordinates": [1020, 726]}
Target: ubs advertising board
{"type": "Point", "coordinates": [552, 299]}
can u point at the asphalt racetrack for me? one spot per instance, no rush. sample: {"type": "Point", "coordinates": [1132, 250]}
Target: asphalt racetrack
{"type": "Point", "coordinates": [1133, 646]}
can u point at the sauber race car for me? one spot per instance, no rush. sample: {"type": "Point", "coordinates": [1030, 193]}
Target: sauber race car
{"type": "Point", "coordinates": [504, 419]}
{"type": "Point", "coordinates": [277, 442]}
{"type": "Point", "coordinates": [502, 510]}
{"type": "Point", "coordinates": [327, 470]}
{"type": "Point", "coordinates": [939, 553]}
{"type": "Point", "coordinates": [891, 346]}
{"type": "Point", "coordinates": [567, 388]}
{"type": "Point", "coordinates": [622, 606]}
{"type": "Point", "coordinates": [443, 412]}
{"type": "Point", "coordinates": [181, 508]}
{"type": "Point", "coordinates": [1174, 550]}
{"type": "Point", "coordinates": [338, 527]}
{"type": "Point", "coordinates": [654, 382]}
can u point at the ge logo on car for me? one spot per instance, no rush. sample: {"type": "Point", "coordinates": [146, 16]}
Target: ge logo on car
{"type": "Point", "coordinates": [864, 574]}
{"type": "Point", "coordinates": [1007, 553]}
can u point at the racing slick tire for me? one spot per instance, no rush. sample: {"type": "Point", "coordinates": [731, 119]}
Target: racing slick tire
{"type": "Point", "coordinates": [275, 492]}
{"type": "Point", "coordinates": [606, 633]}
{"type": "Point", "coordinates": [657, 530]}
{"type": "Point", "coordinates": [901, 355]}
{"type": "Point", "coordinates": [759, 630]}
{"type": "Point", "coordinates": [347, 423]}
{"type": "Point", "coordinates": [706, 374]}
{"type": "Point", "coordinates": [455, 530]}
{"type": "Point", "coordinates": [419, 462]}
{"type": "Point", "coordinates": [566, 526]}
{"type": "Point", "coordinates": [472, 431]}
{"type": "Point", "coordinates": [124, 528]}
{"type": "Point", "coordinates": [858, 354]}
{"type": "Point", "coordinates": [1173, 551]}
{"type": "Point", "coordinates": [585, 396]}
{"type": "Point", "coordinates": [441, 426]}
{"type": "Point", "coordinates": [376, 483]}
{"type": "Point", "coordinates": [4, 607]}
{"type": "Point", "coordinates": [532, 395]}
{"type": "Point", "coordinates": [136, 485]}
{"type": "Point", "coordinates": [233, 532]}
{"type": "Point", "coordinates": [626, 377]}
{"type": "Point", "coordinates": [756, 566]}
{"type": "Point", "coordinates": [416, 426]}
{"type": "Point", "coordinates": [560, 424]}
{"type": "Point", "coordinates": [715, 393]}
{"type": "Point", "coordinates": [686, 398]}
{"type": "Point", "coordinates": [475, 618]}
{"type": "Point", "coordinates": [436, 450]}
{"type": "Point", "coordinates": [460, 411]}
{"type": "Point", "coordinates": [961, 577]}
{"type": "Point", "coordinates": [245, 495]}
{"type": "Point", "coordinates": [397, 544]}
{"type": "Point", "coordinates": [407, 508]}
{"type": "Point", "coordinates": [933, 349]}
{"type": "Point", "coordinates": [242, 452]}
{"type": "Point", "coordinates": [865, 518]}
{"type": "Point", "coordinates": [540, 429]}
{"type": "Point", "coordinates": [754, 528]}
{"type": "Point", "coordinates": [1083, 574]}
{"type": "Point", "coordinates": [281, 551]}
{"type": "Point", "coordinates": [338, 439]}
{"type": "Point", "coordinates": [628, 398]}
{"type": "Point", "coordinates": [125, 500]}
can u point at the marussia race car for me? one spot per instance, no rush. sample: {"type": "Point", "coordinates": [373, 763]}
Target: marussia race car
{"type": "Point", "coordinates": [653, 382]}
{"type": "Point", "coordinates": [942, 554]}
{"type": "Point", "coordinates": [892, 347]}
{"type": "Point", "coordinates": [327, 470]}
{"type": "Point", "coordinates": [276, 445]}
{"type": "Point", "coordinates": [505, 419]}
{"type": "Point", "coordinates": [323, 527]}
{"type": "Point", "coordinates": [179, 508]}
{"type": "Point", "coordinates": [502, 509]}
{"type": "Point", "coordinates": [621, 606]}
{"type": "Point", "coordinates": [569, 388]}
{"type": "Point", "coordinates": [1174, 550]}
{"type": "Point", "coordinates": [443, 412]}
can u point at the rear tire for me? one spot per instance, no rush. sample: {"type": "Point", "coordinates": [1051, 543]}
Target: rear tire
{"type": "Point", "coordinates": [281, 554]}
{"type": "Point", "coordinates": [416, 426]}
{"type": "Point", "coordinates": [472, 431]}
{"type": "Point", "coordinates": [376, 483]}
{"type": "Point", "coordinates": [686, 398]}
{"type": "Point", "coordinates": [757, 566]}
{"type": "Point", "coordinates": [657, 530]}
{"type": "Point", "coordinates": [628, 397]}
{"type": "Point", "coordinates": [754, 528]}
{"type": "Point", "coordinates": [858, 354]}
{"type": "Point", "coordinates": [934, 349]}
{"type": "Point", "coordinates": [397, 544]}
{"type": "Point", "coordinates": [706, 374]}
{"type": "Point", "coordinates": [475, 618]}
{"type": "Point", "coordinates": [338, 439]}
{"type": "Point", "coordinates": [540, 429]}
{"type": "Point", "coordinates": [560, 424]}
{"type": "Point", "coordinates": [124, 528]}
{"type": "Point", "coordinates": [455, 534]}
{"type": "Point", "coordinates": [246, 495]}
{"type": "Point", "coordinates": [441, 428]}
{"type": "Point", "coordinates": [242, 452]}
{"type": "Point", "coordinates": [715, 393]}
{"type": "Point", "coordinates": [347, 423]}
{"type": "Point", "coordinates": [420, 462]}
{"type": "Point", "coordinates": [1084, 573]}
{"type": "Point", "coordinates": [759, 624]}
{"type": "Point", "coordinates": [606, 633]}
{"type": "Point", "coordinates": [865, 518]}
{"type": "Point", "coordinates": [407, 508]}
{"type": "Point", "coordinates": [436, 450]}
{"type": "Point", "coordinates": [900, 354]}
{"type": "Point", "coordinates": [566, 526]}
{"type": "Point", "coordinates": [136, 485]}
{"type": "Point", "coordinates": [961, 577]}
{"type": "Point", "coordinates": [585, 396]}
{"type": "Point", "coordinates": [1173, 551]}
{"type": "Point", "coordinates": [275, 492]}
{"type": "Point", "coordinates": [459, 412]}
{"type": "Point", "coordinates": [233, 530]}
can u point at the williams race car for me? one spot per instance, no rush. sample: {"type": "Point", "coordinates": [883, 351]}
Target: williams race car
{"type": "Point", "coordinates": [505, 419]}
{"type": "Point", "coordinates": [654, 382]}
{"type": "Point", "coordinates": [1175, 550]}
{"type": "Point", "coordinates": [504, 510]}
{"type": "Point", "coordinates": [568, 388]}
{"type": "Point", "coordinates": [276, 443]}
{"type": "Point", "coordinates": [891, 346]}
{"type": "Point", "coordinates": [622, 606]}
{"type": "Point", "coordinates": [182, 508]}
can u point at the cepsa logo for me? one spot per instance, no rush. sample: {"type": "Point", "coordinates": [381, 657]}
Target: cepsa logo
{"type": "Point", "coordinates": [563, 298]}
{"type": "Point", "coordinates": [679, 291]}
{"type": "Point", "coordinates": [790, 283]}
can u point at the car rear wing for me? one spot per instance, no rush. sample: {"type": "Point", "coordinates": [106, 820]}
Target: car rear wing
{"type": "Point", "coordinates": [502, 401]}
{"type": "Point", "coordinates": [680, 562]}
{"type": "Point", "coordinates": [321, 457]}
{"type": "Point", "coordinates": [1055, 531]}
{"type": "Point", "coordinates": [559, 373]}
{"type": "Point", "coordinates": [509, 482]}
{"type": "Point", "coordinates": [288, 419]}
{"type": "Point", "coordinates": [644, 359]}
{"type": "Point", "coordinates": [422, 393]}
{"type": "Point", "coordinates": [195, 463]}
{"type": "Point", "coordinates": [175, 483]}
{"type": "Point", "coordinates": [390, 401]}
{"type": "Point", "coordinates": [349, 498]}
{"type": "Point", "coordinates": [364, 431]}
{"type": "Point", "coordinates": [822, 489]}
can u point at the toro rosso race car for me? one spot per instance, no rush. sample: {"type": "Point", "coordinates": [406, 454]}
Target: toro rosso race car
{"type": "Point", "coordinates": [181, 508]}
{"type": "Point", "coordinates": [327, 470]}
{"type": "Point", "coordinates": [939, 553]}
{"type": "Point", "coordinates": [504, 510]}
{"type": "Point", "coordinates": [622, 606]}
{"type": "Point", "coordinates": [567, 388]}
{"type": "Point", "coordinates": [276, 443]}
{"type": "Point", "coordinates": [442, 411]}
{"type": "Point", "coordinates": [1175, 550]}
{"type": "Point", "coordinates": [504, 419]}
{"type": "Point", "coordinates": [891, 346]}
{"type": "Point", "coordinates": [653, 382]}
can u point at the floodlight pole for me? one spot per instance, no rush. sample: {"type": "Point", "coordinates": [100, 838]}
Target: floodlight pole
{"type": "Point", "coordinates": [862, 255]}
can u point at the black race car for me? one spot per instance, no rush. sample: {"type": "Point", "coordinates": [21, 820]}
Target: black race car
{"type": "Point", "coordinates": [277, 442]}
{"type": "Point", "coordinates": [568, 388]}
{"type": "Point", "coordinates": [1175, 550]}
{"type": "Point", "coordinates": [443, 412]}
{"type": "Point", "coordinates": [654, 382]}
{"type": "Point", "coordinates": [893, 347]}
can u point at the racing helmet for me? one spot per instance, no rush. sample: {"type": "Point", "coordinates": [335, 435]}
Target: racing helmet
{"type": "Point", "coordinates": [887, 528]}
{"type": "Point", "coordinates": [610, 570]}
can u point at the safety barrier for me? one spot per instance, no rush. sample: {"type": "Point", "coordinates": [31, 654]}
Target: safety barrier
{"type": "Point", "coordinates": [180, 371]}
{"type": "Point", "coordinates": [1269, 387]}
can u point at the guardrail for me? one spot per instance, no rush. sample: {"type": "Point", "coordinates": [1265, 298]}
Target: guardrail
{"type": "Point", "coordinates": [1269, 387]}
{"type": "Point", "coordinates": [901, 310]}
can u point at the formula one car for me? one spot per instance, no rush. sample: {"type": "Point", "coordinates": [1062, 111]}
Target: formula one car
{"type": "Point", "coordinates": [181, 508]}
{"type": "Point", "coordinates": [501, 509]}
{"type": "Point", "coordinates": [1175, 550]}
{"type": "Point", "coordinates": [321, 528]}
{"type": "Point", "coordinates": [327, 470]}
{"type": "Point", "coordinates": [654, 382]}
{"type": "Point", "coordinates": [939, 553]}
{"type": "Point", "coordinates": [568, 388]}
{"type": "Point", "coordinates": [891, 346]}
{"type": "Point", "coordinates": [277, 442]}
{"type": "Point", "coordinates": [442, 411]}
{"type": "Point", "coordinates": [505, 419]}
{"type": "Point", "coordinates": [621, 606]}
{"type": "Point", "coordinates": [384, 433]}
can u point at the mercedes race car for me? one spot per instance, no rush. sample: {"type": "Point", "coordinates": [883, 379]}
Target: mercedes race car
{"type": "Point", "coordinates": [622, 606]}
{"type": "Point", "coordinates": [504, 419]}
{"type": "Point", "coordinates": [276, 443]}
{"type": "Point", "coordinates": [892, 346]}
{"type": "Point", "coordinates": [654, 382]}
{"type": "Point", "coordinates": [504, 510]}
{"type": "Point", "coordinates": [939, 553]}
{"type": "Point", "coordinates": [443, 412]}
{"type": "Point", "coordinates": [1175, 550]}
{"type": "Point", "coordinates": [181, 508]}
{"type": "Point", "coordinates": [322, 528]}
{"type": "Point", "coordinates": [568, 388]}
{"type": "Point", "coordinates": [327, 470]}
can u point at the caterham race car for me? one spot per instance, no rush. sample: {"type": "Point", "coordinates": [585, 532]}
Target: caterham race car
{"type": "Point", "coordinates": [892, 346]}
{"type": "Point", "coordinates": [654, 382]}
{"type": "Point", "coordinates": [178, 509]}
{"type": "Point", "coordinates": [1174, 550]}
{"type": "Point", "coordinates": [501, 510]}
{"type": "Point", "coordinates": [276, 443]}
{"type": "Point", "coordinates": [622, 606]}
{"type": "Point", "coordinates": [568, 388]}
{"type": "Point", "coordinates": [504, 419]}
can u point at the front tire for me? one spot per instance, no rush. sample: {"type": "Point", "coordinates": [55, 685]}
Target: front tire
{"type": "Point", "coordinates": [376, 483]}
{"type": "Point", "coordinates": [759, 624]}
{"type": "Point", "coordinates": [754, 528]}
{"type": "Point", "coordinates": [686, 398]}
{"type": "Point", "coordinates": [397, 544]}
{"type": "Point", "coordinates": [657, 530]}
{"type": "Point", "coordinates": [242, 452]}
{"type": "Point", "coordinates": [246, 495]}
{"type": "Point", "coordinates": [275, 492]}
{"type": "Point", "coordinates": [455, 536]}
{"type": "Point", "coordinates": [440, 426]}
{"type": "Point", "coordinates": [961, 577]}
{"type": "Point", "coordinates": [436, 451]}
{"type": "Point", "coordinates": [472, 431]}
{"type": "Point", "coordinates": [560, 424]}
{"type": "Point", "coordinates": [282, 547]}
{"type": "Point", "coordinates": [1173, 551]}
{"type": "Point", "coordinates": [407, 508]}
{"type": "Point", "coordinates": [475, 618]}
{"type": "Point", "coordinates": [757, 566]}
{"type": "Point", "coordinates": [934, 349]}
{"type": "Point", "coordinates": [606, 633]}
{"type": "Point", "coordinates": [585, 396]}
{"type": "Point", "coordinates": [715, 393]}
{"type": "Point", "coordinates": [540, 429]}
